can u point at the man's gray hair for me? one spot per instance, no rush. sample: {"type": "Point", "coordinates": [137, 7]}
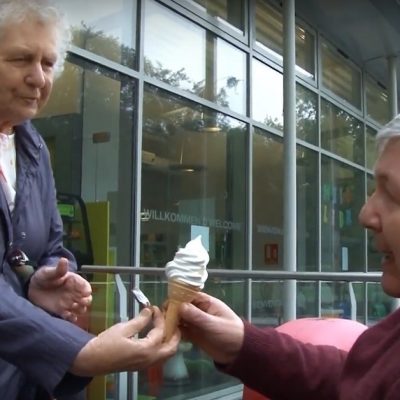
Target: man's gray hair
{"type": "Point", "coordinates": [388, 131]}
{"type": "Point", "coordinates": [46, 11]}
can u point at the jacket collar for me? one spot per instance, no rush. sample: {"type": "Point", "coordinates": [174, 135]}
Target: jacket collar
{"type": "Point", "coordinates": [29, 139]}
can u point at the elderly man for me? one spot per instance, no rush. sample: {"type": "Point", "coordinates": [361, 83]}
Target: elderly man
{"type": "Point", "coordinates": [282, 367]}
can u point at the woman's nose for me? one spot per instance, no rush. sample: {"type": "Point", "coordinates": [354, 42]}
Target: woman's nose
{"type": "Point", "coordinates": [36, 75]}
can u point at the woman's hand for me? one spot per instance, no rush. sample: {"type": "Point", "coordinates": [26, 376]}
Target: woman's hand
{"type": "Point", "coordinates": [60, 291]}
{"type": "Point", "coordinates": [117, 348]}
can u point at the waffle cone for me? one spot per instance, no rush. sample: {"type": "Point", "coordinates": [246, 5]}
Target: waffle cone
{"type": "Point", "coordinates": [178, 292]}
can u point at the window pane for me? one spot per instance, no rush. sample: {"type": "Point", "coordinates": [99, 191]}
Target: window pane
{"type": "Point", "coordinates": [379, 303]}
{"type": "Point", "coordinates": [374, 257]}
{"type": "Point", "coordinates": [187, 56]}
{"type": "Point", "coordinates": [269, 36]}
{"type": "Point", "coordinates": [193, 181]}
{"type": "Point", "coordinates": [267, 201]}
{"type": "Point", "coordinates": [341, 133]}
{"type": "Point", "coordinates": [306, 113]}
{"type": "Point", "coordinates": [231, 12]}
{"type": "Point", "coordinates": [190, 373]}
{"type": "Point", "coordinates": [307, 205]}
{"type": "Point", "coordinates": [267, 303]}
{"type": "Point", "coordinates": [267, 108]}
{"type": "Point", "coordinates": [339, 76]}
{"type": "Point", "coordinates": [307, 299]}
{"type": "Point", "coordinates": [343, 300]}
{"type": "Point", "coordinates": [372, 151]}
{"type": "Point", "coordinates": [107, 28]}
{"type": "Point", "coordinates": [88, 125]}
{"type": "Point", "coordinates": [342, 237]}
{"type": "Point", "coordinates": [377, 101]}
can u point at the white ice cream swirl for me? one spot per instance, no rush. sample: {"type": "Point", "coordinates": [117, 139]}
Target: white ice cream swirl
{"type": "Point", "coordinates": [189, 264]}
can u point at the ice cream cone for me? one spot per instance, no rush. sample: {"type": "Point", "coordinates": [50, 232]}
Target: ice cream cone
{"type": "Point", "coordinates": [178, 292]}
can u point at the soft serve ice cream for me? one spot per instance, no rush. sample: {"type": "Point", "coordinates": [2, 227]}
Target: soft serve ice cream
{"type": "Point", "coordinates": [189, 264]}
{"type": "Point", "coordinates": [186, 275]}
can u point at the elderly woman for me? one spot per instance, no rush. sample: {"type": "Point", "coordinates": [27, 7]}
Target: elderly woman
{"type": "Point", "coordinates": [40, 353]}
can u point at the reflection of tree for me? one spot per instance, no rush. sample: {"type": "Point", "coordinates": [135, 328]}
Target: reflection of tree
{"type": "Point", "coordinates": [342, 132]}
{"type": "Point", "coordinates": [169, 114]}
{"type": "Point", "coordinates": [306, 114]}
{"type": "Point", "coordinates": [98, 42]}
{"type": "Point", "coordinates": [273, 123]}
{"type": "Point", "coordinates": [180, 79]}
{"type": "Point", "coordinates": [173, 78]}
{"type": "Point", "coordinates": [166, 114]}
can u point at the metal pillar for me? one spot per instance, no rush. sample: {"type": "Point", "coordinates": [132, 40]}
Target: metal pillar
{"type": "Point", "coordinates": [289, 150]}
{"type": "Point", "coordinates": [392, 67]}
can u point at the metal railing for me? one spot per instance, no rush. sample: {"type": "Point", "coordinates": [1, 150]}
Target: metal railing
{"type": "Point", "coordinates": [241, 274]}
{"type": "Point", "coordinates": [126, 381]}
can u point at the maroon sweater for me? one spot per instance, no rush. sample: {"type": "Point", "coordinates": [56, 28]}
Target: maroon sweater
{"type": "Point", "coordinates": [283, 368]}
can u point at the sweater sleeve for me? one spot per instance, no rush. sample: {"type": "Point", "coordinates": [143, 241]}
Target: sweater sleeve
{"type": "Point", "coordinates": [42, 346]}
{"type": "Point", "coordinates": [281, 367]}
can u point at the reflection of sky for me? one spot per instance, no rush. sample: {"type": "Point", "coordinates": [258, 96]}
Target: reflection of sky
{"type": "Point", "coordinates": [231, 63]}
{"type": "Point", "coordinates": [115, 18]}
{"type": "Point", "coordinates": [174, 42]}
{"type": "Point", "coordinates": [182, 45]}
{"type": "Point", "coordinates": [267, 93]}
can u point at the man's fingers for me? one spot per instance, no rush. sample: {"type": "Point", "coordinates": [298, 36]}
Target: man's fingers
{"type": "Point", "coordinates": [203, 301]}
{"type": "Point", "coordinates": [192, 314]}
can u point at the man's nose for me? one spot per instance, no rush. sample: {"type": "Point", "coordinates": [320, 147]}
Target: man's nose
{"type": "Point", "coordinates": [368, 216]}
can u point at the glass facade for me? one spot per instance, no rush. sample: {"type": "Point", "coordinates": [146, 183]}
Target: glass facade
{"type": "Point", "coordinates": [269, 38]}
{"type": "Point", "coordinates": [193, 181]}
{"type": "Point", "coordinates": [377, 101]}
{"type": "Point", "coordinates": [267, 109]}
{"type": "Point", "coordinates": [105, 28]}
{"type": "Point", "coordinates": [193, 59]}
{"type": "Point", "coordinates": [164, 134]}
{"type": "Point", "coordinates": [231, 13]}
{"type": "Point", "coordinates": [340, 76]}
{"type": "Point", "coordinates": [267, 173]}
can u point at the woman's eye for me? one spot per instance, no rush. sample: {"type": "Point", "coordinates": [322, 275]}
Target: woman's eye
{"type": "Point", "coordinates": [49, 64]}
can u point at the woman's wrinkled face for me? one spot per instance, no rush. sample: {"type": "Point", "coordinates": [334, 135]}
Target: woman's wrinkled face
{"type": "Point", "coordinates": [28, 52]}
{"type": "Point", "coordinates": [381, 214]}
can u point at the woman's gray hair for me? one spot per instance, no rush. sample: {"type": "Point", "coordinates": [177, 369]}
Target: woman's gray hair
{"type": "Point", "coordinates": [388, 131]}
{"type": "Point", "coordinates": [46, 11]}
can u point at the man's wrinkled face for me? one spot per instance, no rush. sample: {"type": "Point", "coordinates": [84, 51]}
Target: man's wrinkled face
{"type": "Point", "coordinates": [28, 53]}
{"type": "Point", "coordinates": [381, 214]}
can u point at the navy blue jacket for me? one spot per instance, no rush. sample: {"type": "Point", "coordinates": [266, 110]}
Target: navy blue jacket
{"type": "Point", "coordinates": [36, 349]}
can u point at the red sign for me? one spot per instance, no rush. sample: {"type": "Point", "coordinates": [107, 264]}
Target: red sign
{"type": "Point", "coordinates": [271, 253]}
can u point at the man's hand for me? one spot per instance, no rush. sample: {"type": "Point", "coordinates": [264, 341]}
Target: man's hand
{"type": "Point", "coordinates": [116, 349]}
{"type": "Point", "coordinates": [60, 291]}
{"type": "Point", "coordinates": [213, 326]}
